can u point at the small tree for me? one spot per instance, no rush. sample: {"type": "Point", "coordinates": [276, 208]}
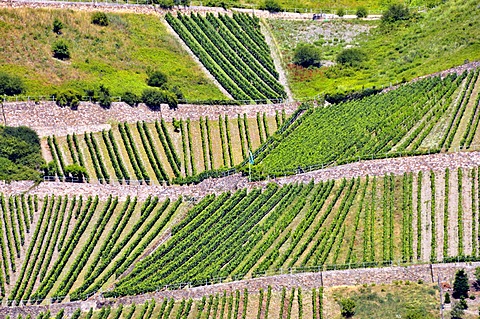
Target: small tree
{"type": "Point", "coordinates": [76, 172]}
{"type": "Point", "coordinates": [153, 98]}
{"type": "Point", "coordinates": [57, 26]}
{"type": "Point", "coordinates": [130, 98]}
{"type": "Point", "coordinates": [165, 4]}
{"type": "Point", "coordinates": [351, 57]}
{"type": "Point", "coordinates": [446, 298]}
{"type": "Point", "coordinates": [457, 311]}
{"type": "Point", "coordinates": [60, 50]}
{"type": "Point", "coordinates": [157, 79]}
{"type": "Point", "coordinates": [69, 97]}
{"type": "Point", "coordinates": [460, 285]}
{"type": "Point", "coordinates": [347, 307]}
{"type": "Point", "coordinates": [307, 55]}
{"type": "Point", "coordinates": [396, 12]}
{"type": "Point", "coordinates": [100, 18]}
{"type": "Point", "coordinates": [362, 12]}
{"type": "Point", "coordinates": [271, 6]}
{"type": "Point", "coordinates": [341, 12]}
{"type": "Point", "coordinates": [104, 98]}
{"type": "Point", "coordinates": [10, 84]}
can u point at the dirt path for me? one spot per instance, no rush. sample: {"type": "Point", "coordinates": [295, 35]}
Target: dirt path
{"type": "Point", "coordinates": [415, 213]}
{"type": "Point", "coordinates": [453, 214]}
{"type": "Point", "coordinates": [282, 76]}
{"type": "Point", "coordinates": [467, 212]}
{"type": "Point", "coordinates": [439, 209]}
{"type": "Point", "coordinates": [426, 203]}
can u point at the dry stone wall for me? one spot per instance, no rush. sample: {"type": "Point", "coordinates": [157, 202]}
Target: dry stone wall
{"type": "Point", "coordinates": [427, 273]}
{"type": "Point", "coordinates": [49, 119]}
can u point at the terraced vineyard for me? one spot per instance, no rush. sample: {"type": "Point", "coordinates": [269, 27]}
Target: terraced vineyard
{"type": "Point", "coordinates": [55, 247]}
{"type": "Point", "coordinates": [234, 51]}
{"type": "Point", "coordinates": [429, 115]}
{"type": "Point", "coordinates": [158, 152]}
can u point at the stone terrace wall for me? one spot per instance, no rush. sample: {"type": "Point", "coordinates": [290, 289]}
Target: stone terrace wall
{"type": "Point", "coordinates": [428, 273]}
{"type": "Point", "coordinates": [47, 118]}
{"type": "Point", "coordinates": [380, 167]}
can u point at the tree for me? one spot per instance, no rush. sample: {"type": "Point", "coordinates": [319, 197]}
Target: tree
{"type": "Point", "coordinates": [165, 4]}
{"type": "Point", "coordinates": [347, 307]}
{"type": "Point", "coordinates": [341, 12]}
{"type": "Point", "coordinates": [396, 12]}
{"type": "Point", "coordinates": [100, 18]}
{"type": "Point", "coordinates": [10, 84]}
{"type": "Point", "coordinates": [75, 172]}
{"type": "Point", "coordinates": [457, 311]}
{"type": "Point", "coordinates": [153, 98]}
{"type": "Point", "coordinates": [104, 98]}
{"type": "Point", "coordinates": [57, 26]}
{"type": "Point", "coordinates": [362, 12]}
{"type": "Point", "coordinates": [130, 98]}
{"type": "Point", "coordinates": [69, 97]}
{"type": "Point", "coordinates": [307, 55]}
{"type": "Point", "coordinates": [271, 6]}
{"type": "Point", "coordinates": [157, 79]}
{"type": "Point", "coordinates": [351, 57]}
{"type": "Point", "coordinates": [446, 298]}
{"type": "Point", "coordinates": [460, 284]}
{"type": "Point", "coordinates": [60, 50]}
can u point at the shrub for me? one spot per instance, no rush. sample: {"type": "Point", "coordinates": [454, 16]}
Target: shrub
{"type": "Point", "coordinates": [10, 84]}
{"type": "Point", "coordinates": [157, 79]}
{"type": "Point", "coordinates": [271, 6]}
{"type": "Point", "coordinates": [60, 50]}
{"type": "Point", "coordinates": [362, 12]}
{"type": "Point", "coordinates": [460, 285]}
{"type": "Point", "coordinates": [307, 55]}
{"type": "Point", "coordinates": [104, 98]}
{"type": "Point", "coordinates": [351, 57]}
{"type": "Point", "coordinates": [57, 26]}
{"type": "Point", "coordinates": [100, 18]}
{"type": "Point", "coordinates": [396, 12]}
{"type": "Point", "coordinates": [347, 307]}
{"type": "Point", "coordinates": [153, 98]}
{"type": "Point", "coordinates": [165, 4]}
{"type": "Point", "coordinates": [457, 311]}
{"type": "Point", "coordinates": [130, 98]}
{"type": "Point", "coordinates": [75, 171]}
{"type": "Point", "coordinates": [69, 97]}
{"type": "Point", "coordinates": [447, 298]}
{"type": "Point", "coordinates": [341, 12]}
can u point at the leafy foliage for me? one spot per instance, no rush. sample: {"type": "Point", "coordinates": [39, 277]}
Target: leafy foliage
{"type": "Point", "coordinates": [396, 12]}
{"type": "Point", "coordinates": [351, 57]}
{"type": "Point", "coordinates": [347, 307]}
{"type": "Point", "coordinates": [10, 84]}
{"type": "Point", "coordinates": [57, 26]}
{"type": "Point", "coordinates": [68, 97]}
{"type": "Point", "coordinates": [460, 285]}
{"type": "Point", "coordinates": [157, 79]}
{"type": "Point", "coordinates": [362, 12]}
{"type": "Point", "coordinates": [307, 55]}
{"type": "Point", "coordinates": [271, 6]}
{"type": "Point", "coordinates": [60, 50]}
{"type": "Point", "coordinates": [100, 18]}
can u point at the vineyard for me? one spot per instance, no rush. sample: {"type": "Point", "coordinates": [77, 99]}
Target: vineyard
{"type": "Point", "coordinates": [234, 51]}
{"type": "Point", "coordinates": [71, 247]}
{"type": "Point", "coordinates": [427, 116]}
{"type": "Point", "coordinates": [161, 152]}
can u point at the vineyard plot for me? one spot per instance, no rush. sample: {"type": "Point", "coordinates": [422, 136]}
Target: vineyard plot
{"type": "Point", "coordinates": [234, 51]}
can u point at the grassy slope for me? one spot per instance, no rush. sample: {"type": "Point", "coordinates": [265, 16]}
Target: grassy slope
{"type": "Point", "coordinates": [117, 56]}
{"type": "Point", "coordinates": [442, 38]}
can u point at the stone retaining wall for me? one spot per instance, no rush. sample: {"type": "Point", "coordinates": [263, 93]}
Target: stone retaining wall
{"type": "Point", "coordinates": [427, 273]}
{"type": "Point", "coordinates": [47, 118]}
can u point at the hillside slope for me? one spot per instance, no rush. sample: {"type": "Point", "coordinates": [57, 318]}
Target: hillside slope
{"type": "Point", "coordinates": [117, 56]}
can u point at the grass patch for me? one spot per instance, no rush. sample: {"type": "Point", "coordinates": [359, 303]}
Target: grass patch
{"type": "Point", "coordinates": [117, 56]}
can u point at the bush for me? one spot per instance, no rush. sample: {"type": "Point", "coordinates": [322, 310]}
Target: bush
{"type": "Point", "coordinates": [271, 6]}
{"type": "Point", "coordinates": [69, 98]}
{"type": "Point", "coordinates": [341, 12]}
{"type": "Point", "coordinates": [460, 285]}
{"type": "Point", "coordinates": [157, 79]}
{"type": "Point", "coordinates": [447, 298]}
{"type": "Point", "coordinates": [75, 172]}
{"type": "Point", "coordinates": [10, 84]}
{"type": "Point", "coordinates": [130, 98]}
{"type": "Point", "coordinates": [396, 12]}
{"type": "Point", "coordinates": [104, 98]}
{"type": "Point", "coordinates": [362, 12]}
{"type": "Point", "coordinates": [351, 57]}
{"type": "Point", "coordinates": [60, 50]}
{"type": "Point", "coordinates": [307, 55]}
{"type": "Point", "coordinates": [57, 26]}
{"type": "Point", "coordinates": [165, 4]}
{"type": "Point", "coordinates": [153, 98]}
{"type": "Point", "coordinates": [100, 18]}
{"type": "Point", "coordinates": [347, 307]}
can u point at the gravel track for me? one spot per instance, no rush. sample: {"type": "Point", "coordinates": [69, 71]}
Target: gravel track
{"type": "Point", "coordinates": [453, 214]}
{"type": "Point", "coordinates": [426, 197]}
{"type": "Point", "coordinates": [467, 212]}
{"type": "Point", "coordinates": [439, 208]}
